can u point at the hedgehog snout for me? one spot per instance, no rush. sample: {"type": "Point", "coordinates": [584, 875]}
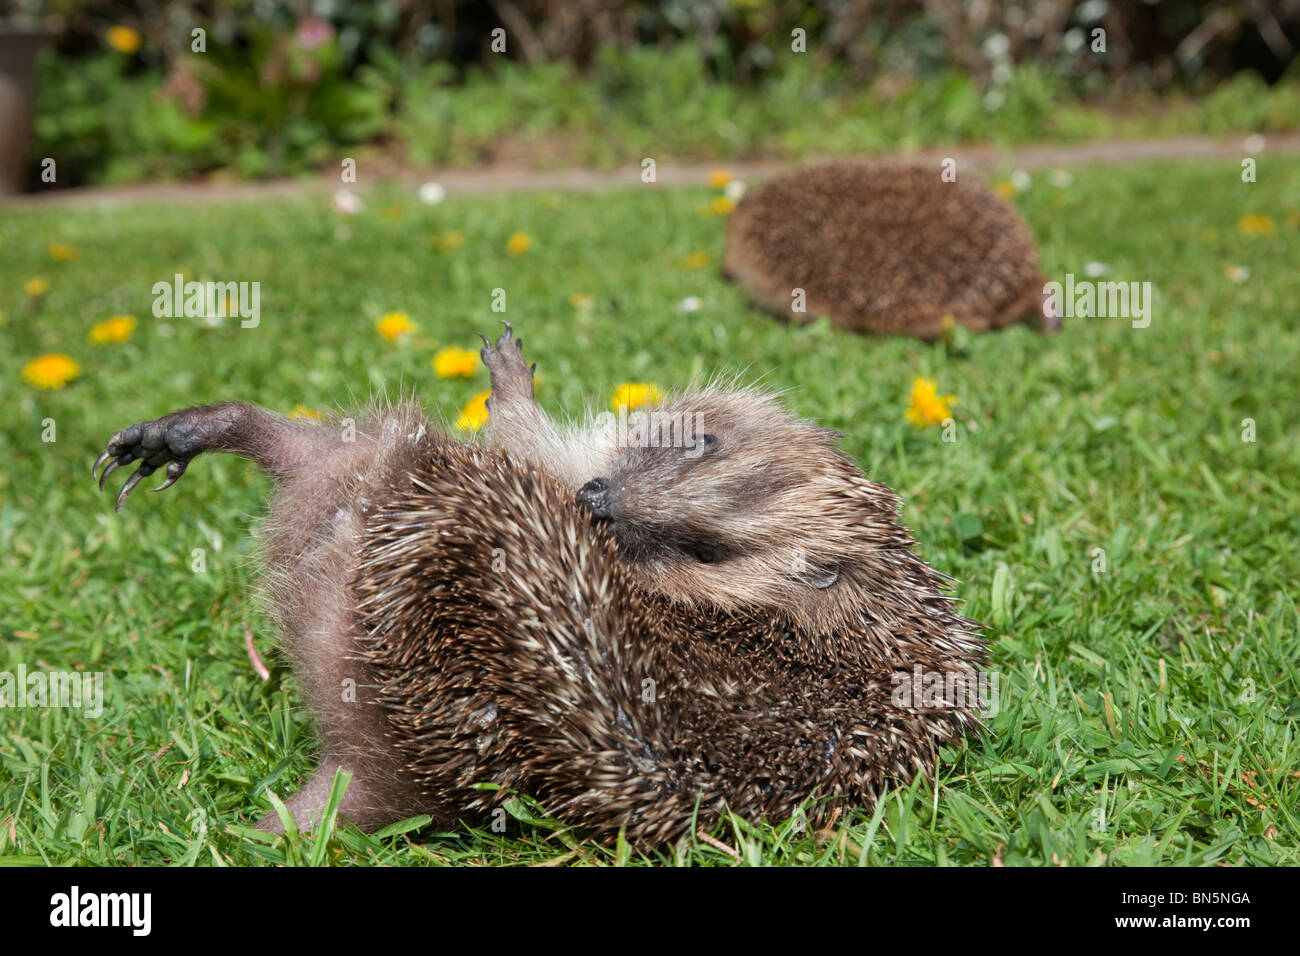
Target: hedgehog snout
{"type": "Point", "coordinates": [1051, 322]}
{"type": "Point", "coordinates": [594, 496]}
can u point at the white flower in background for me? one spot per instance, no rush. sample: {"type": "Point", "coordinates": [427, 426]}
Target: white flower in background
{"type": "Point", "coordinates": [1073, 40]}
{"type": "Point", "coordinates": [734, 190]}
{"type": "Point", "coordinates": [347, 202]}
{"type": "Point", "coordinates": [993, 100]}
{"type": "Point", "coordinates": [1061, 178]}
{"type": "Point", "coordinates": [1002, 73]}
{"type": "Point", "coordinates": [1237, 273]}
{"type": "Point", "coordinates": [1020, 179]}
{"type": "Point", "coordinates": [1254, 143]}
{"type": "Point", "coordinates": [1095, 269]}
{"type": "Point", "coordinates": [691, 303]}
{"type": "Point", "coordinates": [1090, 11]}
{"type": "Point", "coordinates": [996, 46]}
{"type": "Point", "coordinates": [432, 193]}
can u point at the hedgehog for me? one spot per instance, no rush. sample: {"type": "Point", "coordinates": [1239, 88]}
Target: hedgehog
{"type": "Point", "coordinates": [885, 248]}
{"type": "Point", "coordinates": [642, 636]}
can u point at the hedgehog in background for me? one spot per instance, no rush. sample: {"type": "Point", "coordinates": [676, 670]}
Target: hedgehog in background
{"type": "Point", "coordinates": [886, 248]}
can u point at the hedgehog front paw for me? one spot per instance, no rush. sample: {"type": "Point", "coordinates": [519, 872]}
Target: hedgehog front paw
{"type": "Point", "coordinates": [171, 440]}
{"type": "Point", "coordinates": [512, 377]}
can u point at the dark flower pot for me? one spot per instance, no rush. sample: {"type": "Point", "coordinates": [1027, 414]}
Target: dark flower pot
{"type": "Point", "coordinates": [18, 48]}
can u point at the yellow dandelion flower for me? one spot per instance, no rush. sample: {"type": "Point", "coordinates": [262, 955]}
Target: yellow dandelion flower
{"type": "Point", "coordinates": [449, 240]}
{"type": "Point", "coordinates": [62, 252]}
{"type": "Point", "coordinates": [394, 325]}
{"type": "Point", "coordinates": [303, 413]}
{"type": "Point", "coordinates": [123, 39]}
{"type": "Point", "coordinates": [455, 362]}
{"type": "Point", "coordinates": [719, 178]}
{"type": "Point", "coordinates": [723, 206]}
{"type": "Point", "coordinates": [580, 300]}
{"type": "Point", "coordinates": [696, 260]}
{"type": "Point", "coordinates": [1256, 225]}
{"type": "Point", "coordinates": [632, 395]}
{"type": "Point", "coordinates": [36, 287]}
{"type": "Point", "coordinates": [51, 371]}
{"type": "Point", "coordinates": [926, 407]}
{"type": "Point", "coordinates": [518, 243]}
{"type": "Point", "coordinates": [475, 413]}
{"type": "Point", "coordinates": [115, 329]}
{"type": "Point", "coordinates": [1006, 189]}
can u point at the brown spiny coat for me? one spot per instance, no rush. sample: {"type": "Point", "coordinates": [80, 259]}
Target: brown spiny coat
{"type": "Point", "coordinates": [885, 247]}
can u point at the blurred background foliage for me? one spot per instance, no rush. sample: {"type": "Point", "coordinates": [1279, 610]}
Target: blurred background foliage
{"type": "Point", "coordinates": [284, 85]}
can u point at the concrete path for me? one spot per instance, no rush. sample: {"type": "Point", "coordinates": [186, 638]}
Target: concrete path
{"type": "Point", "coordinates": [504, 178]}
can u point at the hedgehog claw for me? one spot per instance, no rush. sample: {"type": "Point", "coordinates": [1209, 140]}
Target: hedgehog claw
{"type": "Point", "coordinates": [144, 471]}
{"type": "Point", "coordinates": [126, 459]}
{"type": "Point", "coordinates": [174, 471]}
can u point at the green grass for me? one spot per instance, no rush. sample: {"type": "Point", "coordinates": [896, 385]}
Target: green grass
{"type": "Point", "coordinates": [1148, 713]}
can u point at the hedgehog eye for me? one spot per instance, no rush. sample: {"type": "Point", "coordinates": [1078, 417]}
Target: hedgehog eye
{"type": "Point", "coordinates": [707, 553]}
{"type": "Point", "coordinates": [704, 441]}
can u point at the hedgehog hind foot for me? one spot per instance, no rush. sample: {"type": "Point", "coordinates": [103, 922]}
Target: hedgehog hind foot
{"type": "Point", "coordinates": [281, 446]}
{"type": "Point", "coordinates": [370, 802]}
{"type": "Point", "coordinates": [172, 440]}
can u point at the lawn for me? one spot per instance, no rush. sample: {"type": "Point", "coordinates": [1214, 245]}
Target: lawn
{"type": "Point", "coordinates": [1147, 711]}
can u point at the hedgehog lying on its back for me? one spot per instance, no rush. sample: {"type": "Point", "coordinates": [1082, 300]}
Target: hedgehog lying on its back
{"type": "Point", "coordinates": [885, 248]}
{"type": "Point", "coordinates": [622, 631]}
